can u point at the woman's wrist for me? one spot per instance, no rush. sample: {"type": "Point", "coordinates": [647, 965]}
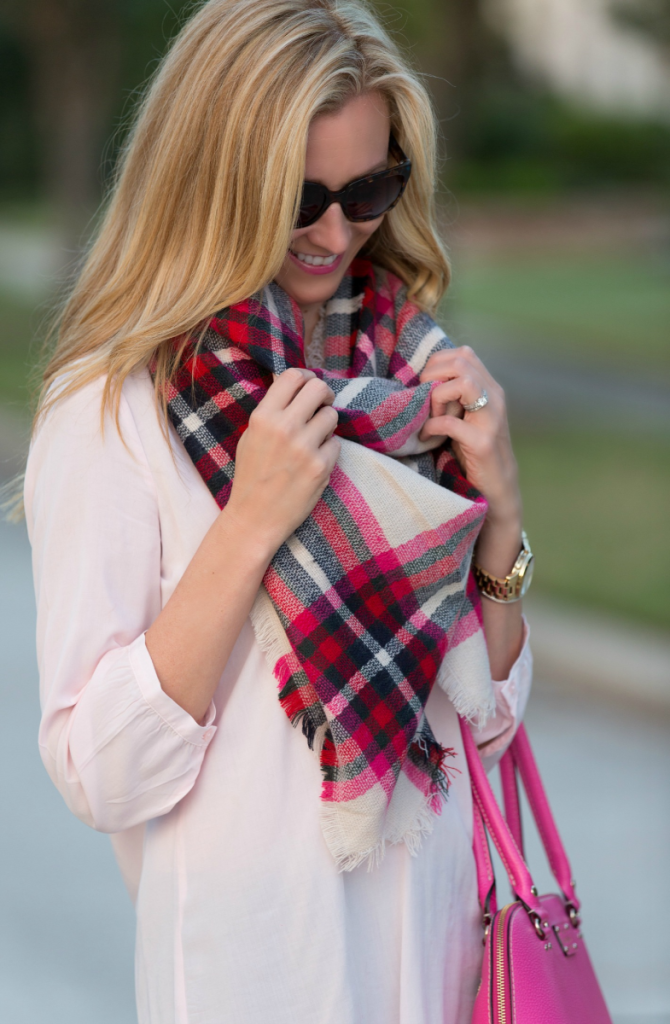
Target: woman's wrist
{"type": "Point", "coordinates": [499, 544]}
{"type": "Point", "coordinates": [256, 546]}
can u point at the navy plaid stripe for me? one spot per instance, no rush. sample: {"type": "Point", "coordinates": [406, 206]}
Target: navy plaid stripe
{"type": "Point", "coordinates": [363, 628]}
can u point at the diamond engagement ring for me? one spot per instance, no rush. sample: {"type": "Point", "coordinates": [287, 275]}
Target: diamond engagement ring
{"type": "Point", "coordinates": [479, 404]}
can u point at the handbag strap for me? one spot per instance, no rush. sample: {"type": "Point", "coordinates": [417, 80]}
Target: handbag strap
{"type": "Point", "coordinates": [510, 792]}
{"type": "Point", "coordinates": [508, 841]}
{"type": "Point", "coordinates": [486, 876]}
{"type": "Point", "coordinates": [520, 758]}
{"type": "Point", "coordinates": [517, 872]}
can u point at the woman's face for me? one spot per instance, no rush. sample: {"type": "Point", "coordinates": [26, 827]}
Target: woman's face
{"type": "Point", "coordinates": [340, 148]}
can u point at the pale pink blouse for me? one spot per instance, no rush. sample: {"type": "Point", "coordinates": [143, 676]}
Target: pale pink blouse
{"type": "Point", "coordinates": [242, 917]}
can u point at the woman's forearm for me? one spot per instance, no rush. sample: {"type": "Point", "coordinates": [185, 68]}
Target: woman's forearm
{"type": "Point", "coordinates": [284, 461]}
{"type": "Point", "coordinates": [481, 443]}
{"type": "Point", "coordinates": [193, 637]}
{"type": "Point", "coordinates": [497, 549]}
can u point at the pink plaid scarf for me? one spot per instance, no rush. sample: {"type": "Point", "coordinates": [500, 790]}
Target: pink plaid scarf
{"type": "Point", "coordinates": [371, 601]}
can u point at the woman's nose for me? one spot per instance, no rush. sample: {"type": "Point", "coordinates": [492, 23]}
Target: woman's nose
{"type": "Point", "coordinates": [332, 231]}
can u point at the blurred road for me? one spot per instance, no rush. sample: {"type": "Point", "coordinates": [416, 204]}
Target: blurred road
{"type": "Point", "coordinates": [545, 387]}
{"type": "Point", "coordinates": [542, 384]}
{"type": "Point", "coordinates": [66, 923]}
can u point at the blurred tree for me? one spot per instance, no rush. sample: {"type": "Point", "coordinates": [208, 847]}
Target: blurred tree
{"type": "Point", "coordinates": [652, 17]}
{"type": "Point", "coordinates": [459, 52]}
{"type": "Point", "coordinates": [88, 58]}
{"type": "Point", "coordinates": [85, 57]}
{"type": "Point", "coordinates": [18, 152]}
{"type": "Point", "coordinates": [71, 71]}
{"type": "Point", "coordinates": [73, 47]}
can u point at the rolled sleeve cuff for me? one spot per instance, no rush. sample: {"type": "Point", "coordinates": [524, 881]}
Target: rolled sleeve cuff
{"type": "Point", "coordinates": [511, 700]}
{"type": "Point", "coordinates": [174, 716]}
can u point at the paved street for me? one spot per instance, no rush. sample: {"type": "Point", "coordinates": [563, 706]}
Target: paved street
{"type": "Point", "coordinates": [543, 387]}
{"type": "Point", "coordinates": [66, 924]}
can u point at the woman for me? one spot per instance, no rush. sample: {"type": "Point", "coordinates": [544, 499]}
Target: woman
{"type": "Point", "coordinates": [161, 653]}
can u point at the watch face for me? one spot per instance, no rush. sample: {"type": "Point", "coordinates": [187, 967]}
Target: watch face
{"type": "Point", "coordinates": [527, 576]}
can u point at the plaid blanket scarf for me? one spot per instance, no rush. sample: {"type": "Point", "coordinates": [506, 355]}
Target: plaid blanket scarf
{"type": "Point", "coordinates": [371, 601]}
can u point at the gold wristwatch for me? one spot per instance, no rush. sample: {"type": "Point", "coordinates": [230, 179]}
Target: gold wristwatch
{"type": "Point", "coordinates": [514, 585]}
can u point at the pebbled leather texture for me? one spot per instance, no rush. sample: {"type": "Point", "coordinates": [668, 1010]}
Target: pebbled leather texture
{"type": "Point", "coordinates": [541, 985]}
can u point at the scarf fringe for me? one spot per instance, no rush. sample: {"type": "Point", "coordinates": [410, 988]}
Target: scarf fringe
{"type": "Point", "coordinates": [409, 514]}
{"type": "Point", "coordinates": [309, 728]}
{"type": "Point", "coordinates": [440, 774]}
{"type": "Point", "coordinates": [274, 644]}
{"type": "Point", "coordinates": [476, 707]}
{"type": "Point", "coordinates": [268, 629]}
{"type": "Point", "coordinates": [422, 826]}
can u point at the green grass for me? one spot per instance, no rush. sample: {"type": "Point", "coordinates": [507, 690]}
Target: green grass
{"type": "Point", "coordinates": [597, 510]}
{"type": "Point", "coordinates": [596, 507]}
{"type": "Point", "coordinates": [608, 310]}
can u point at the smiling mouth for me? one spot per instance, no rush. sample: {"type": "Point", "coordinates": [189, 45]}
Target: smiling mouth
{"type": "Point", "coordinates": [314, 261]}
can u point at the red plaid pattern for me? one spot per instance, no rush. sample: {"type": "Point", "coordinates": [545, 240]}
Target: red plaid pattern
{"type": "Point", "coordinates": [362, 625]}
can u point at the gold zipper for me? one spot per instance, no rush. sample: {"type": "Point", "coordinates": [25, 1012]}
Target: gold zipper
{"type": "Point", "coordinates": [500, 964]}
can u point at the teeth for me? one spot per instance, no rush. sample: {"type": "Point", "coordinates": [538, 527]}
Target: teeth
{"type": "Point", "coordinates": [315, 261]}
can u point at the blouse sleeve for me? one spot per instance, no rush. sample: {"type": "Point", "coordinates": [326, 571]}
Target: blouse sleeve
{"type": "Point", "coordinates": [119, 750]}
{"type": "Point", "coordinates": [511, 699]}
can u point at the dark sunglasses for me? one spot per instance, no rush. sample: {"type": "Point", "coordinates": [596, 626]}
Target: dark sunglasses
{"type": "Point", "coordinates": [363, 199]}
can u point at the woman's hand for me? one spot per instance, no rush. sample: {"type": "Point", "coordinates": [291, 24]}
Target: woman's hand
{"type": "Point", "coordinates": [284, 458]}
{"type": "Point", "coordinates": [480, 440]}
{"type": "Point", "coordinates": [482, 445]}
{"type": "Point", "coordinates": [284, 461]}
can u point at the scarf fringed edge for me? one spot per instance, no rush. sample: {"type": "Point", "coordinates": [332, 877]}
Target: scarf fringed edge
{"type": "Point", "coordinates": [476, 708]}
{"type": "Point", "coordinates": [413, 837]}
{"type": "Point", "coordinates": [268, 629]}
{"type": "Point", "coordinates": [275, 645]}
{"type": "Point", "coordinates": [423, 825]}
{"type": "Point", "coordinates": [430, 757]}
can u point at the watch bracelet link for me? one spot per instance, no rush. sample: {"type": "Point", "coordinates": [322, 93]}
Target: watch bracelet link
{"type": "Point", "coordinates": [502, 590]}
{"type": "Point", "coordinates": [508, 589]}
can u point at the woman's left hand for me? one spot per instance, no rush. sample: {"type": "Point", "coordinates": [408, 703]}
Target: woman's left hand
{"type": "Point", "coordinates": [482, 445]}
{"type": "Point", "coordinates": [480, 440]}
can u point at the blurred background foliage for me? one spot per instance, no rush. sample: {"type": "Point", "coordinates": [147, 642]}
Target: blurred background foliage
{"type": "Point", "coordinates": [555, 133]}
{"type": "Point", "coordinates": [70, 71]}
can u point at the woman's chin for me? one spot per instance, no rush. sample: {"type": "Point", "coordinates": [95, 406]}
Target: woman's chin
{"type": "Point", "coordinates": [307, 288]}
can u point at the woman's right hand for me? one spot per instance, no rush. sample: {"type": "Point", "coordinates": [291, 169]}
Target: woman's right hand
{"type": "Point", "coordinates": [284, 459]}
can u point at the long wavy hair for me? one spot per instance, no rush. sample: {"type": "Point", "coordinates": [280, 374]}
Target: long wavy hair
{"type": "Point", "coordinates": [208, 185]}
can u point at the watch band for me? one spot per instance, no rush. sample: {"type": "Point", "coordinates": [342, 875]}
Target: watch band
{"type": "Point", "coordinates": [512, 587]}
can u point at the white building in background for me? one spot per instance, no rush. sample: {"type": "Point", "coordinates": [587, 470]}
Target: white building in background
{"type": "Point", "coordinates": [581, 51]}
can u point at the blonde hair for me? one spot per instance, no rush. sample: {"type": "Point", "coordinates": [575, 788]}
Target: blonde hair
{"type": "Point", "coordinates": [208, 186]}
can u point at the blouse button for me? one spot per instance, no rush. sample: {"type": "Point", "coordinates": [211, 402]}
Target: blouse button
{"type": "Point", "coordinates": [207, 734]}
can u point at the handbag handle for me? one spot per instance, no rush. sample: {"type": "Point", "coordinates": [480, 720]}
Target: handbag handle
{"type": "Point", "coordinates": [517, 872]}
{"type": "Point", "coordinates": [511, 804]}
{"type": "Point", "coordinates": [519, 758]}
{"type": "Point", "coordinates": [486, 876]}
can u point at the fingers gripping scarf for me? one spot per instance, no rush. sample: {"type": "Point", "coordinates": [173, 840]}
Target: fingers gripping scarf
{"type": "Point", "coordinates": [371, 600]}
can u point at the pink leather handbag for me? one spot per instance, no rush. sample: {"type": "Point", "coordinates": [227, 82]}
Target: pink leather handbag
{"type": "Point", "coordinates": [536, 969]}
